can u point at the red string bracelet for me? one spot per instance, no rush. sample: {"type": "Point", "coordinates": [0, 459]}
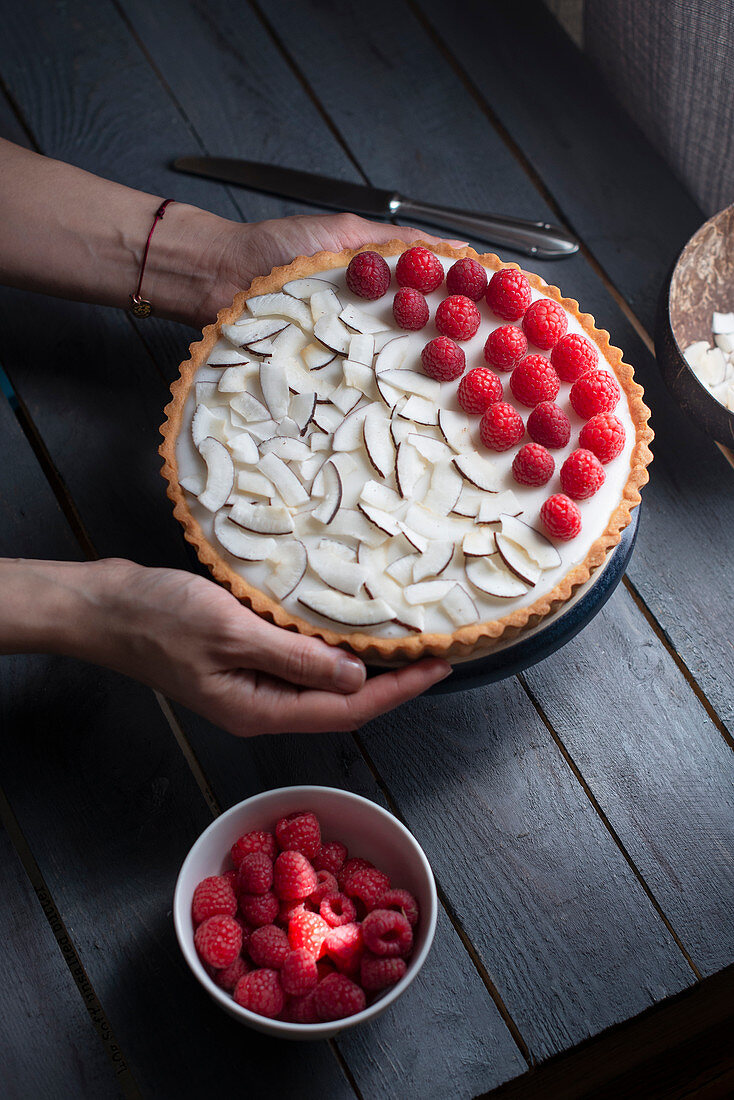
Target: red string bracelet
{"type": "Point", "coordinates": [140, 307]}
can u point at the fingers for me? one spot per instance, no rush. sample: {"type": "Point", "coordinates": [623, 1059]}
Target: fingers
{"type": "Point", "coordinates": [379, 233]}
{"type": "Point", "coordinates": [308, 662]}
{"type": "Point", "coordinates": [323, 712]}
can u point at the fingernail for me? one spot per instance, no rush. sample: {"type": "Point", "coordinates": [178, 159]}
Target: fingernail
{"type": "Point", "coordinates": [349, 674]}
{"type": "Point", "coordinates": [445, 672]}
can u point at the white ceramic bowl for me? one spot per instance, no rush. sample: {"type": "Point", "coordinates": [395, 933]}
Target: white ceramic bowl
{"type": "Point", "coordinates": [365, 828]}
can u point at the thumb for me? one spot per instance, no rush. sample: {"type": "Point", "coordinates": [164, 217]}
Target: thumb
{"type": "Point", "coordinates": [309, 662]}
{"type": "Point", "coordinates": [388, 232]}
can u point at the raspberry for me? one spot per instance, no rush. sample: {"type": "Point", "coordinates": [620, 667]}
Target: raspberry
{"type": "Point", "coordinates": [457, 317]}
{"type": "Point", "coordinates": [254, 842]}
{"type": "Point", "coordinates": [298, 974]}
{"type": "Point", "coordinates": [410, 309]}
{"type": "Point", "coordinates": [467, 277]}
{"type": "Point", "coordinates": [604, 435]}
{"type": "Point", "coordinates": [344, 946]}
{"type": "Point", "coordinates": [218, 941]}
{"type": "Point", "coordinates": [327, 888]}
{"type": "Point", "coordinates": [508, 294]}
{"type": "Point", "coordinates": [230, 877]}
{"type": "Point", "coordinates": [246, 930]}
{"type": "Point", "coordinates": [337, 996]}
{"type": "Point", "coordinates": [443, 359]}
{"type": "Point", "coordinates": [376, 973]}
{"type": "Point", "coordinates": [289, 908]}
{"type": "Point", "coordinates": [573, 356]}
{"type": "Point", "coordinates": [402, 902]}
{"type": "Point", "coordinates": [478, 389]}
{"type": "Point", "coordinates": [302, 1010]}
{"type": "Point", "coordinates": [299, 832]}
{"type": "Point", "coordinates": [259, 909]}
{"type": "Point", "coordinates": [308, 930]}
{"type": "Point", "coordinates": [387, 933]}
{"type": "Point", "coordinates": [549, 425]}
{"type": "Point", "coordinates": [294, 877]}
{"type": "Point", "coordinates": [350, 867]}
{"type": "Point", "coordinates": [501, 427]}
{"type": "Point", "coordinates": [582, 475]}
{"type": "Point", "coordinates": [561, 517]}
{"type": "Point", "coordinates": [368, 885]}
{"type": "Point", "coordinates": [419, 269]}
{"type": "Point", "coordinates": [213, 895]}
{"type": "Point", "coordinates": [594, 392]}
{"type": "Point", "coordinates": [268, 946]}
{"type": "Point", "coordinates": [368, 275]}
{"type": "Point", "coordinates": [261, 992]}
{"type": "Point", "coordinates": [505, 347]}
{"type": "Point", "coordinates": [256, 873]}
{"type": "Point", "coordinates": [337, 909]}
{"type": "Point", "coordinates": [534, 380]}
{"type": "Point", "coordinates": [228, 978]}
{"type": "Point", "coordinates": [532, 465]}
{"type": "Point", "coordinates": [544, 323]}
{"type": "Point", "coordinates": [331, 857]}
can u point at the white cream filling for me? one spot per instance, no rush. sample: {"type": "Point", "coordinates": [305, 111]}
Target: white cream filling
{"type": "Point", "coordinates": [595, 513]}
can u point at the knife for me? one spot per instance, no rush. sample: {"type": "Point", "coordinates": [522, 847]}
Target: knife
{"type": "Point", "coordinates": [531, 238]}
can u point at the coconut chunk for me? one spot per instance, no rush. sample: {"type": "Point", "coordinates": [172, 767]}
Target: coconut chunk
{"type": "Point", "coordinates": [444, 490]}
{"type": "Point", "coordinates": [235, 378]}
{"type": "Point", "coordinates": [323, 303]}
{"type": "Point", "coordinates": [252, 481]}
{"type": "Point", "coordinates": [219, 474]}
{"type": "Point", "coordinates": [345, 398]}
{"type": "Point", "coordinates": [409, 469]}
{"type": "Point", "coordinates": [305, 288]}
{"type": "Point", "coordinates": [459, 606]}
{"type": "Point", "coordinates": [380, 496]}
{"type": "Point", "coordinates": [243, 448]}
{"type": "Point", "coordinates": [393, 353]}
{"type": "Point", "coordinates": [348, 435]}
{"type": "Point", "coordinates": [378, 441]}
{"type": "Point", "coordinates": [286, 448]}
{"type": "Point", "coordinates": [478, 543]}
{"type": "Point", "coordinates": [316, 356]}
{"type": "Point", "coordinates": [284, 480]}
{"type": "Point", "coordinates": [362, 348]}
{"type": "Point", "coordinates": [335, 571]}
{"type": "Point", "coordinates": [427, 592]}
{"type": "Point", "coordinates": [281, 305]}
{"type": "Point", "coordinates": [346, 609]}
{"type": "Point", "coordinates": [485, 575]}
{"type": "Point", "coordinates": [478, 471]}
{"type": "Point", "coordinates": [498, 505]}
{"type": "Point", "coordinates": [419, 410]}
{"type": "Point", "coordinates": [332, 333]}
{"type": "Point", "coordinates": [517, 560]}
{"type": "Point", "coordinates": [239, 543]}
{"type": "Point", "coordinates": [262, 519]}
{"type": "Point", "coordinates": [411, 381]}
{"type": "Point", "coordinates": [249, 408]}
{"type": "Point", "coordinates": [456, 430]}
{"type": "Point", "coordinates": [540, 549]}
{"type": "Point", "coordinates": [206, 423]}
{"type": "Point", "coordinates": [361, 321]}
{"type": "Point", "coordinates": [224, 355]}
{"type": "Point", "coordinates": [301, 409]}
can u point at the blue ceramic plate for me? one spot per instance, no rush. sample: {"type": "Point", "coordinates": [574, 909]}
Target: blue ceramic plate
{"type": "Point", "coordinates": [548, 637]}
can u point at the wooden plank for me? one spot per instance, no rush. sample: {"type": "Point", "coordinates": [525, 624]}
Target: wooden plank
{"type": "Point", "coordinates": [610, 183]}
{"type": "Point", "coordinates": [668, 786]}
{"type": "Point", "coordinates": [633, 215]}
{"type": "Point", "coordinates": [65, 1056]}
{"type": "Point", "coordinates": [679, 1050]}
{"type": "Point", "coordinates": [557, 917]}
{"type": "Point", "coordinates": [109, 808]}
{"type": "Point", "coordinates": [142, 525]}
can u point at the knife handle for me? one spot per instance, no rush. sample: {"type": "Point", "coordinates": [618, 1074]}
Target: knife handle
{"type": "Point", "coordinates": [547, 242]}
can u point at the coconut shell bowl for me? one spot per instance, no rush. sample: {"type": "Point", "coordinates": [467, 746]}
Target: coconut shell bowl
{"type": "Point", "coordinates": [701, 282]}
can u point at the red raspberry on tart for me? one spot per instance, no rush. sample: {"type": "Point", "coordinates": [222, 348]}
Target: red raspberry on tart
{"type": "Point", "coordinates": [572, 356]}
{"type": "Point", "coordinates": [595, 392]}
{"type": "Point", "coordinates": [457, 317]}
{"type": "Point", "coordinates": [478, 389]}
{"type": "Point", "coordinates": [505, 347]}
{"type": "Point", "coordinates": [467, 277]}
{"type": "Point", "coordinates": [420, 269]}
{"type": "Point", "coordinates": [561, 517]}
{"type": "Point", "coordinates": [368, 275]}
{"type": "Point", "coordinates": [534, 380]}
{"type": "Point", "coordinates": [604, 435]}
{"type": "Point", "coordinates": [508, 294]}
{"type": "Point", "coordinates": [582, 475]}
{"type": "Point", "coordinates": [532, 465]}
{"type": "Point", "coordinates": [443, 360]}
{"type": "Point", "coordinates": [501, 427]}
{"type": "Point", "coordinates": [549, 425]}
{"type": "Point", "coordinates": [544, 323]}
{"type": "Point", "coordinates": [410, 309]}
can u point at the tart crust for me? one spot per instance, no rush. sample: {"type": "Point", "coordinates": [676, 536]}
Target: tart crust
{"type": "Point", "coordinates": [469, 640]}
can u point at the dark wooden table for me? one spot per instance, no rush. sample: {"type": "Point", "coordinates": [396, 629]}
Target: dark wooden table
{"type": "Point", "coordinates": [579, 817]}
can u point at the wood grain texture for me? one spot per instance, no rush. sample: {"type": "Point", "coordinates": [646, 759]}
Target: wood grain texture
{"type": "Point", "coordinates": [668, 786]}
{"type": "Point", "coordinates": [556, 915]}
{"type": "Point", "coordinates": [109, 808]}
{"type": "Point", "coordinates": [689, 474]}
{"type": "Point", "coordinates": [48, 1045]}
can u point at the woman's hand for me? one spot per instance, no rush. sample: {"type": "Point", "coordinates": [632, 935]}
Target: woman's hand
{"type": "Point", "coordinates": [194, 642]}
{"type": "Point", "coordinates": [243, 251]}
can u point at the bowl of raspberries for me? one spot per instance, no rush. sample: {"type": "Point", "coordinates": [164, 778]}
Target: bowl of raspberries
{"type": "Point", "coordinates": [305, 910]}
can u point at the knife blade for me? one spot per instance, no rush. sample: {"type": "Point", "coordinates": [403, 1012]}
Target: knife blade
{"type": "Point", "coordinates": [532, 238]}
